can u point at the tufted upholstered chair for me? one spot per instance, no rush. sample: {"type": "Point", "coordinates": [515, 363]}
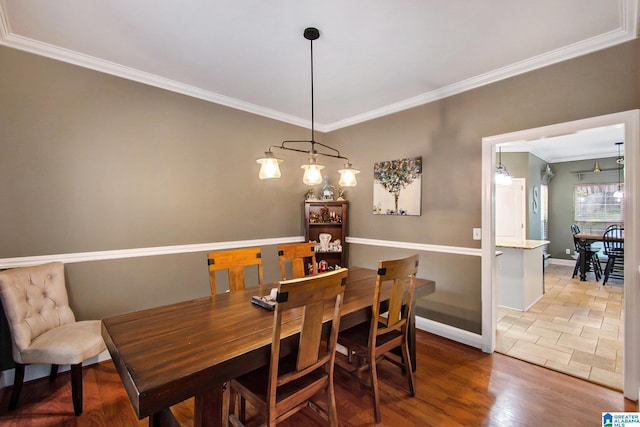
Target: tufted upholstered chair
{"type": "Point", "coordinates": [43, 327]}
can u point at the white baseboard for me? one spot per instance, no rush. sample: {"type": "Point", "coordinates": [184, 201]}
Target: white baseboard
{"type": "Point", "coordinates": [559, 261]}
{"type": "Point", "coordinates": [446, 331]}
{"type": "Point", "coordinates": [34, 372]}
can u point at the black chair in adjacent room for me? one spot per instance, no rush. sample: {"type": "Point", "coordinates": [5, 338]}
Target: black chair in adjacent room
{"type": "Point", "coordinates": [613, 239]}
{"type": "Point", "coordinates": [583, 249]}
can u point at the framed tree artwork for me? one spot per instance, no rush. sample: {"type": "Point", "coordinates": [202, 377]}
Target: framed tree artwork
{"type": "Point", "coordinates": [397, 187]}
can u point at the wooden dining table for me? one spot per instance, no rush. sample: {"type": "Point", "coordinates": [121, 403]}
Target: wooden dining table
{"type": "Point", "coordinates": [585, 239]}
{"type": "Point", "coordinates": [167, 354]}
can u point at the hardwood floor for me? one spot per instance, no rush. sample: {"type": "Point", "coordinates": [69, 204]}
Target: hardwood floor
{"type": "Point", "coordinates": [456, 385]}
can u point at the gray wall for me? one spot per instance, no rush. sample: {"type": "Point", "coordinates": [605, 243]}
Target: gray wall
{"type": "Point", "coordinates": [448, 135]}
{"type": "Point", "coordinates": [93, 162]}
{"type": "Point", "coordinates": [561, 193]}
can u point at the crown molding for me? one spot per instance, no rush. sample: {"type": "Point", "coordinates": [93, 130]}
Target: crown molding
{"type": "Point", "coordinates": [627, 31]}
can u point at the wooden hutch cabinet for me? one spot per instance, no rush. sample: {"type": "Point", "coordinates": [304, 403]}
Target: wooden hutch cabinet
{"type": "Point", "coordinates": [327, 217]}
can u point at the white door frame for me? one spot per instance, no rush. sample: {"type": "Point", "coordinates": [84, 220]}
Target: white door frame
{"type": "Point", "coordinates": [631, 121]}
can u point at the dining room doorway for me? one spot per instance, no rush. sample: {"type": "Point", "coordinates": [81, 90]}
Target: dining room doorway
{"type": "Point", "coordinates": [631, 122]}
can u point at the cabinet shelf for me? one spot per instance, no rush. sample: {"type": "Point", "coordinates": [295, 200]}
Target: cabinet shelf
{"type": "Point", "coordinates": [328, 210]}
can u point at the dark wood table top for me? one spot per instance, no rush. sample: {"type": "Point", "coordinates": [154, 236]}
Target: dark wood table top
{"type": "Point", "coordinates": [167, 354]}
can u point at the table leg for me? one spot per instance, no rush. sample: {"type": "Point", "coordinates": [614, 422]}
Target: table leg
{"type": "Point", "coordinates": [163, 418]}
{"type": "Point", "coordinates": [208, 408]}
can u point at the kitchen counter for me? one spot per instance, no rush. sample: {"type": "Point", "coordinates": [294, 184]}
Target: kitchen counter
{"type": "Point", "coordinates": [520, 273]}
{"type": "Point", "coordinates": [520, 244]}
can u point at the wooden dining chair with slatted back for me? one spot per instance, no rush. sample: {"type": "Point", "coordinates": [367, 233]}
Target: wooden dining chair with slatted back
{"type": "Point", "coordinates": [43, 326]}
{"type": "Point", "coordinates": [235, 262]}
{"type": "Point", "coordinates": [303, 368]}
{"type": "Point", "coordinates": [298, 257]}
{"type": "Point", "coordinates": [369, 342]}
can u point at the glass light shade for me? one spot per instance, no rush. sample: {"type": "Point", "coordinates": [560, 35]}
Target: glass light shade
{"type": "Point", "coordinates": [312, 174]}
{"type": "Point", "coordinates": [348, 176]}
{"type": "Point", "coordinates": [503, 177]}
{"type": "Point", "coordinates": [618, 194]}
{"type": "Point", "coordinates": [269, 166]}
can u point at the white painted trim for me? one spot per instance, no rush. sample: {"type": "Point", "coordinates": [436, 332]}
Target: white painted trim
{"type": "Point", "coordinates": [631, 120]}
{"type": "Point", "coordinates": [415, 246]}
{"type": "Point", "coordinates": [449, 332]}
{"type": "Point", "coordinates": [141, 252]}
{"type": "Point", "coordinates": [34, 372]}
{"type": "Point", "coordinates": [627, 31]}
{"type": "Point", "coordinates": [41, 371]}
{"type": "Point", "coordinates": [214, 246]}
{"type": "Point", "coordinates": [565, 262]}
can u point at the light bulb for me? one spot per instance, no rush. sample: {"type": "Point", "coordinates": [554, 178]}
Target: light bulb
{"type": "Point", "coordinates": [348, 176]}
{"type": "Point", "coordinates": [312, 174]}
{"type": "Point", "coordinates": [269, 166]}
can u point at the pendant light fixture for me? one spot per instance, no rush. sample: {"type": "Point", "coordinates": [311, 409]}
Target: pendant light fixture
{"type": "Point", "coordinates": [270, 164]}
{"type": "Point", "coordinates": [503, 177]}
{"type": "Point", "coordinates": [619, 194]}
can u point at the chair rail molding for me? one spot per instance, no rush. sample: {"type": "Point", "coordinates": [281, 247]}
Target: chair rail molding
{"type": "Point", "coordinates": [142, 252]}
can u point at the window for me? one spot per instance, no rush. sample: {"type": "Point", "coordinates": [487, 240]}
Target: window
{"type": "Point", "coordinates": [595, 203]}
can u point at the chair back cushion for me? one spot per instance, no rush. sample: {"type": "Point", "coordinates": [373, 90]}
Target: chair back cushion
{"type": "Point", "coordinates": [35, 301]}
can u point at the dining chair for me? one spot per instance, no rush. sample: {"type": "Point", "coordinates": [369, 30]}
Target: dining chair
{"type": "Point", "coordinates": [234, 261]}
{"type": "Point", "coordinates": [613, 239]}
{"type": "Point", "coordinates": [300, 369]}
{"type": "Point", "coordinates": [582, 249]}
{"type": "Point", "coordinates": [369, 342]}
{"type": "Point", "coordinates": [43, 327]}
{"type": "Point", "coordinates": [298, 256]}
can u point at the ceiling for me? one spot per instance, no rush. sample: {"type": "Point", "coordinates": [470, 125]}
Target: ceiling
{"type": "Point", "coordinates": [595, 143]}
{"type": "Point", "coordinates": [373, 57]}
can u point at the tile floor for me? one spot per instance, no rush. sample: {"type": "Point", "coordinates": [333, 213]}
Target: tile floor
{"type": "Point", "coordinates": [575, 328]}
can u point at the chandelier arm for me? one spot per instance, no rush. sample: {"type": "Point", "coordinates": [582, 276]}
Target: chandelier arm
{"type": "Point", "coordinates": [337, 155]}
{"type": "Point", "coordinates": [312, 151]}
